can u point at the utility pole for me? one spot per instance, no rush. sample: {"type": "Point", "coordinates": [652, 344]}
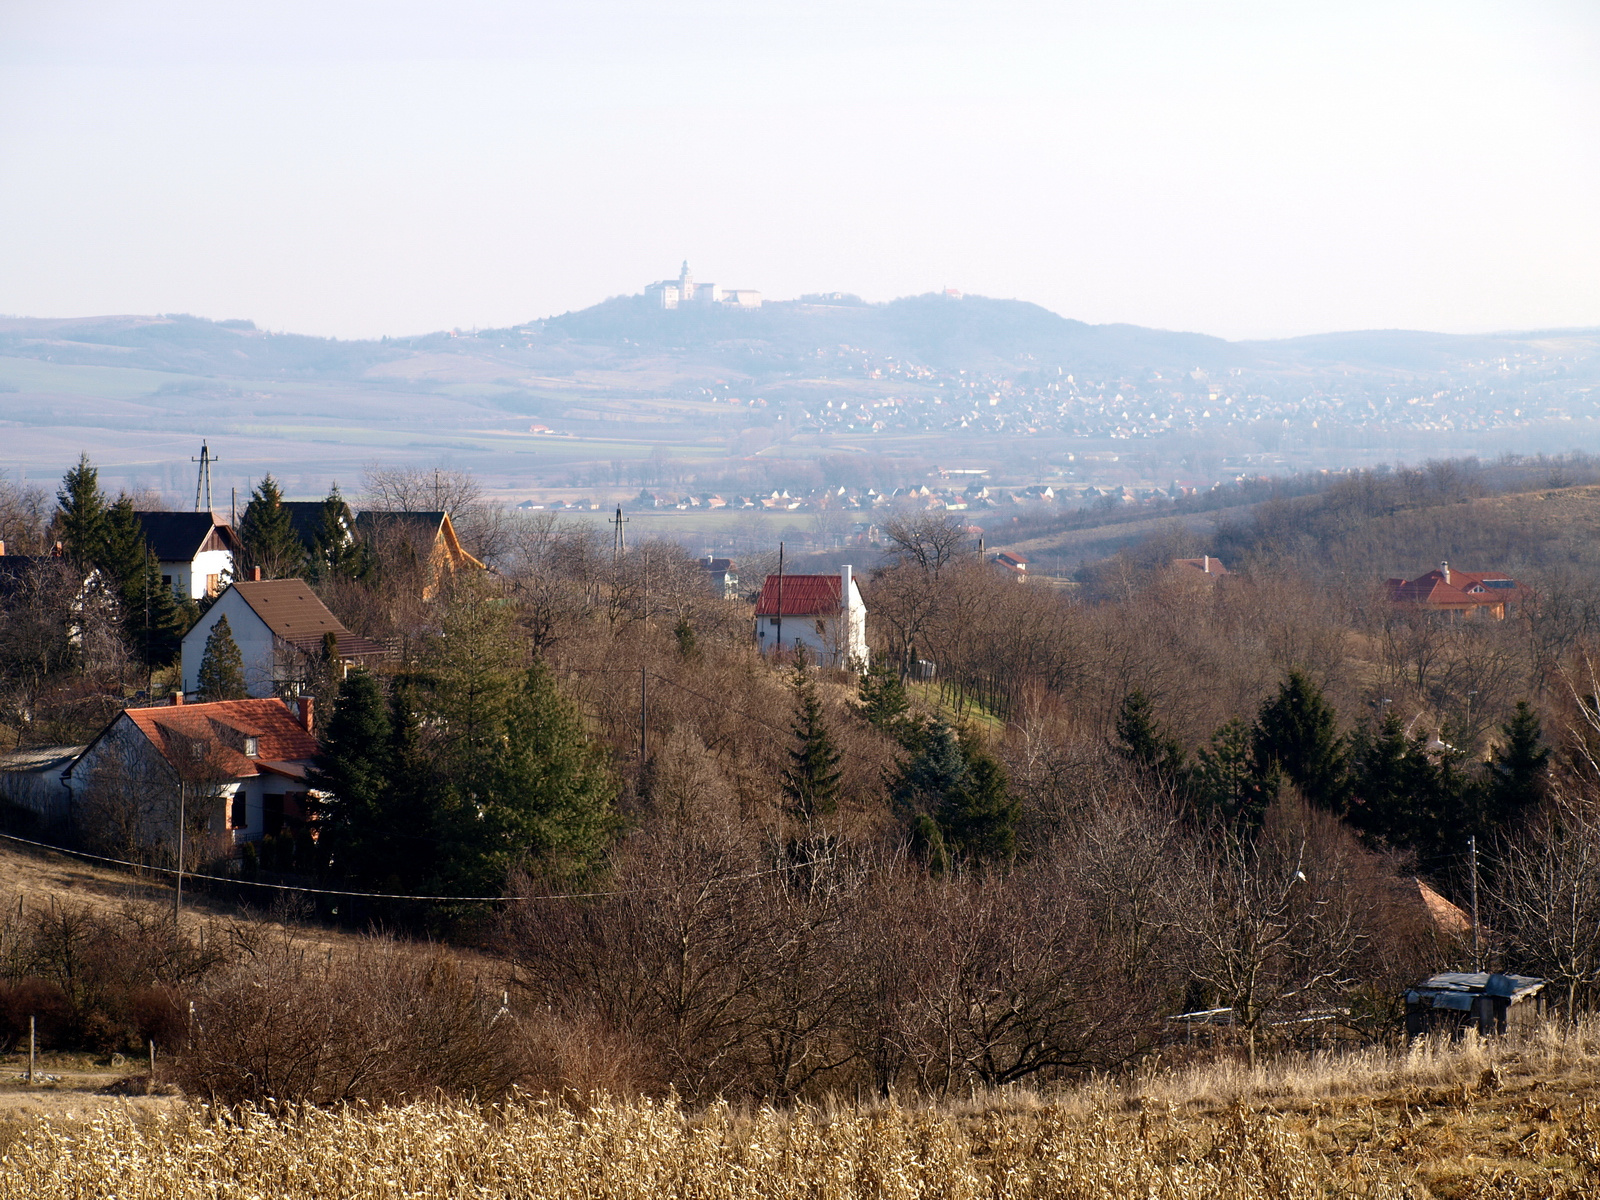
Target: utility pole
{"type": "Point", "coordinates": [644, 745]}
{"type": "Point", "coordinates": [1472, 848]}
{"type": "Point", "coordinates": [202, 483]}
{"type": "Point", "coordinates": [779, 644]}
{"type": "Point", "coordinates": [177, 894]}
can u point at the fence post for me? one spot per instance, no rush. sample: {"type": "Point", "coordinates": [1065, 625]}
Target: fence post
{"type": "Point", "coordinates": [32, 1045]}
{"type": "Point", "coordinates": [152, 1060]}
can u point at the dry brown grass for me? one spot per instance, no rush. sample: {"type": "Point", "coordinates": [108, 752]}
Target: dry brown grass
{"type": "Point", "coordinates": [1506, 1119]}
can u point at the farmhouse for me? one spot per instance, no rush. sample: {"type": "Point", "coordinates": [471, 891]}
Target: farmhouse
{"type": "Point", "coordinates": [194, 548]}
{"type": "Point", "coordinates": [282, 630]}
{"type": "Point", "coordinates": [238, 766]}
{"type": "Point", "coordinates": [823, 613]}
{"type": "Point", "coordinates": [1454, 591]}
{"type": "Point", "coordinates": [427, 538]}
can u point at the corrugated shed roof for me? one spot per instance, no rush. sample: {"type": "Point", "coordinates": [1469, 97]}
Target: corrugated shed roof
{"type": "Point", "coordinates": [803, 596]}
{"type": "Point", "coordinates": [292, 611]}
{"type": "Point", "coordinates": [40, 758]}
{"type": "Point", "coordinates": [222, 727]}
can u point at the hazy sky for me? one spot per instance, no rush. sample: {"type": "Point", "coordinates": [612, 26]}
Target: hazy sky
{"type": "Point", "coordinates": [359, 167]}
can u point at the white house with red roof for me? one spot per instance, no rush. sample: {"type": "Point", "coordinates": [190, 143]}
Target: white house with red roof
{"type": "Point", "coordinates": [240, 765]}
{"type": "Point", "coordinates": [823, 613]}
{"type": "Point", "coordinates": [1450, 589]}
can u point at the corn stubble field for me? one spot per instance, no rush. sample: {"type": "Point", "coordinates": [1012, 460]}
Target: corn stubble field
{"type": "Point", "coordinates": [1510, 1119]}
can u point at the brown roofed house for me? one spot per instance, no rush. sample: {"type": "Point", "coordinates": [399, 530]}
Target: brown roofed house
{"type": "Point", "coordinates": [281, 629]}
{"type": "Point", "coordinates": [426, 538]}
{"type": "Point", "coordinates": [1452, 590]}
{"type": "Point", "coordinates": [1205, 565]}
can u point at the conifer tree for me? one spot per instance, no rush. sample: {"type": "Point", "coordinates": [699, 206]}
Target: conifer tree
{"type": "Point", "coordinates": [123, 550]}
{"type": "Point", "coordinates": [1519, 772]}
{"type": "Point", "coordinates": [335, 552]}
{"type": "Point", "coordinates": [688, 646]}
{"type": "Point", "coordinates": [811, 781]}
{"type": "Point", "coordinates": [221, 675]}
{"type": "Point", "coordinates": [932, 772]}
{"type": "Point", "coordinates": [1142, 741]}
{"type": "Point", "coordinates": [1297, 733]}
{"type": "Point", "coordinates": [81, 514]}
{"type": "Point", "coordinates": [352, 778]}
{"type": "Point", "coordinates": [884, 702]}
{"type": "Point", "coordinates": [1223, 784]}
{"type": "Point", "coordinates": [267, 534]}
{"type": "Point", "coordinates": [155, 619]}
{"type": "Point", "coordinates": [979, 816]}
{"type": "Point", "coordinates": [554, 795]}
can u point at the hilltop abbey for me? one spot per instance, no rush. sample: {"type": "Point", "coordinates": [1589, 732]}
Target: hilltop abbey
{"type": "Point", "coordinates": [683, 291]}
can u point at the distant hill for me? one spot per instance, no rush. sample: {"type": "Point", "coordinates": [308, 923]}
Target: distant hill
{"type": "Point", "coordinates": [969, 333]}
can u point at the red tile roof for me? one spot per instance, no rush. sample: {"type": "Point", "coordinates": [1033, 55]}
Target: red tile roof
{"type": "Point", "coordinates": [1466, 589]}
{"type": "Point", "coordinates": [223, 726]}
{"type": "Point", "coordinates": [803, 596]}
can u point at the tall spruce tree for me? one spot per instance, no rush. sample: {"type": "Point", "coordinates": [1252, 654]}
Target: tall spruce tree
{"type": "Point", "coordinates": [267, 534]}
{"type": "Point", "coordinates": [335, 552]}
{"type": "Point", "coordinates": [979, 816]}
{"type": "Point", "coordinates": [1223, 784]}
{"type": "Point", "coordinates": [352, 781]}
{"type": "Point", "coordinates": [80, 519]}
{"type": "Point", "coordinates": [1519, 771]}
{"type": "Point", "coordinates": [1142, 741]}
{"type": "Point", "coordinates": [811, 780]}
{"type": "Point", "coordinates": [155, 619]}
{"type": "Point", "coordinates": [554, 795]}
{"type": "Point", "coordinates": [884, 702]}
{"type": "Point", "coordinates": [1297, 732]}
{"type": "Point", "coordinates": [221, 675]}
{"type": "Point", "coordinates": [934, 770]}
{"type": "Point", "coordinates": [123, 550]}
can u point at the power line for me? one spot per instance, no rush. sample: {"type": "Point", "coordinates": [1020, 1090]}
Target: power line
{"type": "Point", "coordinates": [289, 887]}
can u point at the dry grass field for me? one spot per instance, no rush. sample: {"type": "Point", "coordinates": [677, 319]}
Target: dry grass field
{"type": "Point", "coordinates": [1508, 1119]}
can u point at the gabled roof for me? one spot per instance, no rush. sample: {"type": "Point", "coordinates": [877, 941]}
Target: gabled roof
{"type": "Point", "coordinates": [292, 611]}
{"type": "Point", "coordinates": [1465, 589]}
{"type": "Point", "coordinates": [432, 525]}
{"type": "Point", "coordinates": [222, 726]}
{"type": "Point", "coordinates": [305, 518]}
{"type": "Point", "coordinates": [1205, 565]}
{"type": "Point", "coordinates": [803, 596]}
{"type": "Point", "coordinates": [179, 536]}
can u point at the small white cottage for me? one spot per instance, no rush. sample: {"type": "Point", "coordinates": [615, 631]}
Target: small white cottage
{"type": "Point", "coordinates": [823, 613]}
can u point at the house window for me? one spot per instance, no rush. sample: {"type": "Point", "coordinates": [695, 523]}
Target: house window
{"type": "Point", "coordinates": [821, 629]}
{"type": "Point", "coordinates": [772, 620]}
{"type": "Point", "coordinates": [252, 747]}
{"type": "Point", "coordinates": [213, 584]}
{"type": "Point", "coordinates": [239, 814]}
{"type": "Point", "coordinates": [166, 581]}
{"type": "Point", "coordinates": [272, 815]}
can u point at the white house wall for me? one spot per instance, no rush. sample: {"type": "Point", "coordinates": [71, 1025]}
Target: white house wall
{"type": "Point", "coordinates": [250, 634]}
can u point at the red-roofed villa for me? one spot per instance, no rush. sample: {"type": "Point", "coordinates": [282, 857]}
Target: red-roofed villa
{"type": "Point", "coordinates": [823, 613]}
{"type": "Point", "coordinates": [1449, 589]}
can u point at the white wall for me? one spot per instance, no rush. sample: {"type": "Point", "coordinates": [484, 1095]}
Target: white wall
{"type": "Point", "coordinates": [250, 634]}
{"type": "Point", "coordinates": [189, 578]}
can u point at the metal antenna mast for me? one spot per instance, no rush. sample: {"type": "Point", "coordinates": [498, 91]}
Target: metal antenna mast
{"type": "Point", "coordinates": [202, 484]}
{"type": "Point", "coordinates": [619, 542]}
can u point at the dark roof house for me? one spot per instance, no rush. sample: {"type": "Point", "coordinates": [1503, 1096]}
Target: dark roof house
{"type": "Point", "coordinates": [195, 549]}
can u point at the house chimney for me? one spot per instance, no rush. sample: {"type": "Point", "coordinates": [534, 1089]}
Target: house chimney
{"type": "Point", "coordinates": [255, 574]}
{"type": "Point", "coordinates": [306, 716]}
{"type": "Point", "coordinates": [1444, 569]}
{"type": "Point", "coordinates": [177, 698]}
{"type": "Point", "coordinates": [2, 549]}
{"type": "Point", "coordinates": [1205, 559]}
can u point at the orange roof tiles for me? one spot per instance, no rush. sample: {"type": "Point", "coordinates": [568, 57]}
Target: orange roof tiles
{"type": "Point", "coordinates": [222, 726]}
